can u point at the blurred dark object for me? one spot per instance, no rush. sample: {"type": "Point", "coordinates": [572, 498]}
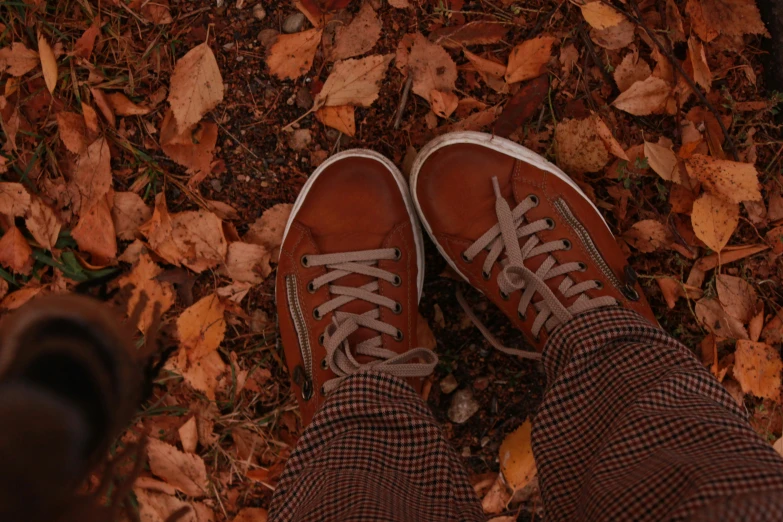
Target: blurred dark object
{"type": "Point", "coordinates": [772, 14]}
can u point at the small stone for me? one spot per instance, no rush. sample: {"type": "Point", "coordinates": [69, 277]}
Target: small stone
{"type": "Point", "coordinates": [294, 23]}
{"type": "Point", "coordinates": [448, 384]}
{"type": "Point", "coordinates": [259, 12]}
{"type": "Point", "coordinates": [267, 37]}
{"type": "Point", "coordinates": [217, 186]}
{"type": "Point", "coordinates": [229, 46]}
{"type": "Point", "coordinates": [463, 406]}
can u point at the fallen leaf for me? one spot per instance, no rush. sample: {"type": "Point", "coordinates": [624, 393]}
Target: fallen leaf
{"type": "Point", "coordinates": [122, 106]}
{"type": "Point", "coordinates": [92, 178]}
{"type": "Point", "coordinates": [354, 82]}
{"type": "Point", "coordinates": [400, 4]}
{"type": "Point", "coordinates": [701, 71]}
{"type": "Point", "coordinates": [674, 22]}
{"type": "Point", "coordinates": [143, 280]}
{"type": "Point", "coordinates": [714, 220]}
{"type": "Point", "coordinates": [431, 67]}
{"type": "Point", "coordinates": [497, 498]}
{"type": "Point", "coordinates": [580, 148]}
{"type": "Point", "coordinates": [14, 199]}
{"type": "Point", "coordinates": [188, 435]}
{"type": "Point", "coordinates": [94, 233]}
{"type": "Point", "coordinates": [157, 506]}
{"type": "Point", "coordinates": [358, 37]}
{"type": "Point", "coordinates": [17, 299]}
{"type": "Point", "coordinates": [202, 375]}
{"type": "Point", "coordinates": [292, 55]}
{"type": "Point", "coordinates": [86, 43]}
{"type": "Point", "coordinates": [614, 37]}
{"type": "Point", "coordinates": [472, 33]}
{"type": "Point", "coordinates": [778, 446]}
{"type": "Point", "coordinates": [341, 118]}
{"type": "Point", "coordinates": [731, 180]}
{"type": "Point", "coordinates": [234, 292]}
{"type": "Point", "coordinates": [525, 104]}
{"type": "Point", "coordinates": [712, 316]}
{"type": "Point", "coordinates": [269, 228]}
{"type": "Point", "coordinates": [529, 59]}
{"type": "Point", "coordinates": [758, 367]}
{"type": "Point", "coordinates": [645, 97]}
{"type": "Point", "coordinates": [663, 161]}
{"type": "Point", "coordinates": [492, 72]}
{"type": "Point", "coordinates": [184, 471]}
{"type": "Point", "coordinates": [424, 336]}
{"type": "Point", "coordinates": [247, 262]}
{"type": "Point", "coordinates": [671, 290]}
{"type": "Point", "coordinates": [201, 327]}
{"type": "Point", "coordinates": [756, 324]}
{"type": "Point", "coordinates": [157, 11]}
{"type": "Point", "coordinates": [729, 255]}
{"type": "Point", "coordinates": [600, 15]}
{"type": "Point", "coordinates": [90, 119]}
{"type": "Point", "coordinates": [711, 18]}
{"type": "Point", "coordinates": [252, 515]}
{"type": "Point", "coordinates": [775, 239]}
{"type": "Point", "coordinates": [15, 253]}
{"type": "Point", "coordinates": [103, 105]}
{"type": "Point", "coordinates": [516, 457]}
{"type": "Point", "coordinates": [736, 296]}
{"type": "Point", "coordinates": [605, 134]}
{"type": "Point", "coordinates": [196, 86]}
{"type": "Point", "coordinates": [73, 131]}
{"type": "Point", "coordinates": [194, 148]}
{"type": "Point", "coordinates": [129, 212]}
{"type": "Point", "coordinates": [42, 223]}
{"type": "Point", "coordinates": [160, 234]}
{"type": "Point", "coordinates": [199, 238]}
{"type": "Point", "coordinates": [648, 236]}
{"type": "Point", "coordinates": [443, 103]}
{"type": "Point", "coordinates": [631, 70]}
{"type": "Point", "coordinates": [48, 63]}
{"type": "Point", "coordinates": [17, 60]}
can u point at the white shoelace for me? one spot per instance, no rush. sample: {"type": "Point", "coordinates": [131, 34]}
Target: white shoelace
{"type": "Point", "coordinates": [340, 356]}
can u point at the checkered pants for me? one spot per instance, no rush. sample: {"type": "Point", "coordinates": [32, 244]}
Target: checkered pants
{"type": "Point", "coordinates": [632, 427]}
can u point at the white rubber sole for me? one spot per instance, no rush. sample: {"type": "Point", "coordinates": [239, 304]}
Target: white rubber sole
{"type": "Point", "coordinates": [401, 183]}
{"type": "Point", "coordinates": [496, 143]}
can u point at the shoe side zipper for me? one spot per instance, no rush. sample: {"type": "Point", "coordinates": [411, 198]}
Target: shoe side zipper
{"type": "Point", "coordinates": [303, 376]}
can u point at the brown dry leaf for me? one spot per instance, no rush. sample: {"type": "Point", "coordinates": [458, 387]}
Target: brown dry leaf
{"type": "Point", "coordinates": [292, 55]}
{"type": "Point", "coordinates": [252, 515]}
{"type": "Point", "coordinates": [443, 103]}
{"type": "Point", "coordinates": [580, 148]}
{"type": "Point", "coordinates": [90, 119]}
{"type": "Point", "coordinates": [778, 446]}
{"type": "Point", "coordinates": [103, 105]}
{"type": "Point", "coordinates": [758, 368]}
{"type": "Point", "coordinates": [234, 292]}
{"type": "Point", "coordinates": [648, 236]}
{"type": "Point", "coordinates": [516, 457]}
{"type": "Point", "coordinates": [471, 33]}
{"type": "Point", "coordinates": [663, 161]}
{"type": "Point", "coordinates": [184, 471]}
{"type": "Point", "coordinates": [203, 375]}
{"type": "Point", "coordinates": [431, 67]}
{"type": "Point", "coordinates": [14, 199]}
{"type": "Point", "coordinates": [615, 37]}
{"type": "Point", "coordinates": [712, 316]}
{"type": "Point", "coordinates": [43, 224]}
{"type": "Point", "coordinates": [94, 233]}
{"type": "Point", "coordinates": [15, 254]}
{"type": "Point", "coordinates": [201, 327]}
{"type": "Point", "coordinates": [341, 118]}
{"type": "Point", "coordinates": [157, 11]}
{"type": "Point", "coordinates": [17, 60]}
{"type": "Point", "coordinates": [605, 134]}
{"type": "Point", "coordinates": [122, 106]}
{"type": "Point", "coordinates": [497, 498]}
{"type": "Point", "coordinates": [674, 22]}
{"type": "Point", "coordinates": [714, 220]}
{"type": "Point", "coordinates": [631, 70]}
{"type": "Point", "coordinates": [736, 296]}
{"type": "Point", "coordinates": [247, 263]}
{"type": "Point", "coordinates": [358, 37]}
{"type": "Point", "coordinates": [529, 59]}
{"type": "Point", "coordinates": [269, 228]}
{"type": "Point", "coordinates": [86, 43]}
{"type": "Point", "coordinates": [188, 435]}
{"type": "Point", "coordinates": [671, 290]}
{"type": "Point", "coordinates": [10, 126]}
{"type": "Point", "coordinates": [159, 232]}
{"type": "Point", "coordinates": [129, 213]}
{"type": "Point", "coordinates": [196, 86]}
{"type": "Point", "coordinates": [73, 131]}
{"type": "Point", "coordinates": [199, 238]}
{"type": "Point", "coordinates": [756, 324]}
{"type": "Point", "coordinates": [48, 63]}
{"type": "Point", "coordinates": [729, 255]}
{"type": "Point", "coordinates": [194, 148]}
{"type": "Point", "coordinates": [601, 16]}
{"type": "Point", "coordinates": [400, 4]}
{"type": "Point", "coordinates": [492, 72]}
{"type": "Point", "coordinates": [354, 82]}
{"type": "Point", "coordinates": [709, 18]}
{"type": "Point", "coordinates": [701, 71]}
{"type": "Point", "coordinates": [16, 299]}
{"type": "Point", "coordinates": [92, 178]}
{"type": "Point", "coordinates": [143, 279]}
{"type": "Point", "coordinates": [645, 97]}
{"type": "Point", "coordinates": [730, 180]}
{"type": "Point", "coordinates": [157, 506]}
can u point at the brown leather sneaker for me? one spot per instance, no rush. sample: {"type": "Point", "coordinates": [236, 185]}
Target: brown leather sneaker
{"type": "Point", "coordinates": [521, 231]}
{"type": "Point", "coordinates": [350, 277]}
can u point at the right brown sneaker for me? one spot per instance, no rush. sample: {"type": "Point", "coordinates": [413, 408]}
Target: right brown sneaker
{"type": "Point", "coordinates": [521, 231]}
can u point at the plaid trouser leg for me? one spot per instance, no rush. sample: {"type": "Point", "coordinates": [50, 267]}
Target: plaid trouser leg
{"type": "Point", "coordinates": [633, 427]}
{"type": "Point", "coordinates": [374, 452]}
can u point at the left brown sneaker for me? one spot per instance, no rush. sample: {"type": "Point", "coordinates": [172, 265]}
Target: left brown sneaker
{"type": "Point", "coordinates": [350, 277]}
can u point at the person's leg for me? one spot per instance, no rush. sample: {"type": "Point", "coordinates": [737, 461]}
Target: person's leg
{"type": "Point", "coordinates": [633, 427]}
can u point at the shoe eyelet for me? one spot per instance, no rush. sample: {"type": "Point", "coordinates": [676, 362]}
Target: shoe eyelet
{"type": "Point", "coordinates": [324, 364]}
{"type": "Point", "coordinates": [522, 317]}
{"type": "Point", "coordinates": [321, 339]}
{"type": "Point", "coordinates": [317, 315]}
{"type": "Point", "coordinates": [486, 275]}
{"type": "Point", "coordinates": [582, 267]}
{"type": "Point", "coordinates": [550, 223]}
{"type": "Point", "coordinates": [311, 287]}
{"type": "Point", "coordinates": [465, 258]}
{"type": "Point", "coordinates": [534, 199]}
{"type": "Point", "coordinates": [504, 295]}
{"type": "Point", "coordinates": [397, 281]}
{"type": "Point", "coordinates": [631, 293]}
{"type": "Point", "coordinates": [598, 285]}
{"type": "Point", "coordinates": [305, 261]}
{"type": "Point", "coordinates": [397, 254]}
{"type": "Point", "coordinates": [398, 336]}
{"type": "Point", "coordinates": [567, 244]}
{"type": "Point", "coordinates": [397, 308]}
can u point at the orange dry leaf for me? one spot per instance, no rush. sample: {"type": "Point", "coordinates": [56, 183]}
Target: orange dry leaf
{"type": "Point", "coordinates": [14, 199]}
{"type": "Point", "coordinates": [129, 212]}
{"type": "Point", "coordinates": [492, 72]}
{"type": "Point", "coordinates": [671, 290]}
{"type": "Point", "coordinates": [529, 59]}
{"type": "Point", "coordinates": [600, 15]}
{"type": "Point", "coordinates": [201, 327]}
{"type": "Point", "coordinates": [92, 177]}
{"type": "Point", "coordinates": [143, 280]}
{"type": "Point", "coordinates": [714, 220]}
{"type": "Point", "coordinates": [341, 118]}
{"type": "Point", "coordinates": [644, 97]}
{"type": "Point", "coordinates": [247, 263]}
{"type": "Point", "coordinates": [252, 515]}
{"type": "Point", "coordinates": [193, 148]}
{"type": "Point", "coordinates": [712, 316]}
{"type": "Point", "coordinates": [157, 11]}
{"type": "Point", "coordinates": [443, 103]}
{"type": "Point", "coordinates": [94, 233]}
{"type": "Point", "coordinates": [48, 63]}
{"type": "Point", "coordinates": [17, 59]}
{"type": "Point", "coordinates": [15, 254]}
{"type": "Point", "coordinates": [103, 105]}
{"type": "Point", "coordinates": [184, 471]}
{"type": "Point", "coordinates": [200, 239]}
{"type": "Point", "coordinates": [86, 42]}
{"type": "Point", "coordinates": [16, 299]}
{"type": "Point", "coordinates": [775, 239]}
{"type": "Point", "coordinates": [431, 67]}
{"type": "Point", "coordinates": [631, 70]}
{"type": "Point", "coordinates": [758, 368]}
{"type": "Point", "coordinates": [663, 161]}
{"type": "Point", "coordinates": [73, 131]}
{"type": "Point", "coordinates": [159, 232]}
{"type": "Point", "coordinates": [358, 37]}
{"type": "Point", "coordinates": [736, 296]}
{"type": "Point", "coordinates": [516, 457]}
{"type": "Point", "coordinates": [43, 224]}
{"type": "Point", "coordinates": [729, 255]}
{"type": "Point", "coordinates": [648, 235]}
{"type": "Point", "coordinates": [269, 228]}
{"type": "Point", "coordinates": [196, 86]}
{"type": "Point", "coordinates": [614, 37]}
{"type": "Point", "coordinates": [188, 435]}
{"type": "Point", "coordinates": [354, 82]}
{"type": "Point", "coordinates": [585, 145]}
{"type": "Point", "coordinates": [157, 506]}
{"type": "Point", "coordinates": [701, 71]}
{"type": "Point", "coordinates": [711, 18]}
{"type": "Point", "coordinates": [122, 106]}
{"type": "Point", "coordinates": [730, 180]}
{"type": "Point", "coordinates": [292, 55]}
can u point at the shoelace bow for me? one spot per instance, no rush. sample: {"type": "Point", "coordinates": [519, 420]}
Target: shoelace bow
{"type": "Point", "coordinates": [505, 236]}
{"type": "Point", "coordinates": [340, 356]}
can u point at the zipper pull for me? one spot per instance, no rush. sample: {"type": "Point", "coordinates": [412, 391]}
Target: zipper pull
{"type": "Point", "coordinates": [301, 380]}
{"type": "Point", "coordinates": [631, 278]}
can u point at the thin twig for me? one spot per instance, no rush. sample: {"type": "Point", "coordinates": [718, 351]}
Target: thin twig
{"type": "Point", "coordinates": [403, 102]}
{"type": "Point", "coordinates": [541, 21]}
